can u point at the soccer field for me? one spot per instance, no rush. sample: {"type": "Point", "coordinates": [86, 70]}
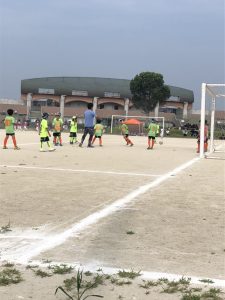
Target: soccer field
{"type": "Point", "coordinates": [114, 207]}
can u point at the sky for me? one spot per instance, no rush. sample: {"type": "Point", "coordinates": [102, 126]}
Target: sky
{"type": "Point", "coordinates": [184, 40]}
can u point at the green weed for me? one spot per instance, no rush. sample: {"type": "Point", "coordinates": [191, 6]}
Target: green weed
{"type": "Point", "coordinates": [129, 274]}
{"type": "Point", "coordinates": [10, 276]}
{"type": "Point", "coordinates": [80, 291]}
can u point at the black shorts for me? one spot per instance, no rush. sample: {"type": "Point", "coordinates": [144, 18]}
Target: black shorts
{"type": "Point", "coordinates": [126, 135]}
{"type": "Point", "coordinates": [10, 134]}
{"type": "Point", "coordinates": [45, 139]}
{"type": "Point", "coordinates": [73, 134]}
{"type": "Point", "coordinates": [56, 133]}
{"type": "Point", "coordinates": [151, 137]}
{"type": "Point", "coordinates": [97, 136]}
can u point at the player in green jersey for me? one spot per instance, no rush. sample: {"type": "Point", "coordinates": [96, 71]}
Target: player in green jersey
{"type": "Point", "coordinates": [73, 130]}
{"type": "Point", "coordinates": [152, 131]}
{"type": "Point", "coordinates": [125, 133]}
{"type": "Point", "coordinates": [45, 133]}
{"type": "Point", "coordinates": [9, 129]}
{"type": "Point", "coordinates": [57, 124]}
{"type": "Point", "coordinates": [98, 132]}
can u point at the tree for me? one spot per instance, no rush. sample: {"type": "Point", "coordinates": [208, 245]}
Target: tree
{"type": "Point", "coordinates": [147, 90]}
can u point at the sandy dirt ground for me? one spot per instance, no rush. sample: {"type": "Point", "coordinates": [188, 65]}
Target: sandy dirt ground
{"type": "Point", "coordinates": [177, 225]}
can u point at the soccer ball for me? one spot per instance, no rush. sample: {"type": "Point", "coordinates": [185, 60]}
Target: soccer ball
{"type": "Point", "coordinates": [160, 142]}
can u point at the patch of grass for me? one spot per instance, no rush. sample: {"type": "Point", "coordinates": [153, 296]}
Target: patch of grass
{"type": "Point", "coordinates": [130, 232]}
{"type": "Point", "coordinates": [31, 267]}
{"type": "Point", "coordinates": [184, 281]}
{"type": "Point", "coordinates": [120, 282]}
{"type": "Point", "coordinates": [8, 265]}
{"type": "Point", "coordinates": [129, 274]}
{"type": "Point", "coordinates": [87, 273]}
{"type": "Point", "coordinates": [10, 276]}
{"type": "Point", "coordinates": [206, 281]}
{"type": "Point", "coordinates": [191, 297]}
{"type": "Point", "coordinates": [162, 280]}
{"type": "Point", "coordinates": [5, 228]}
{"type": "Point", "coordinates": [61, 269]}
{"type": "Point", "coordinates": [46, 261]}
{"type": "Point", "coordinates": [70, 283]}
{"type": "Point", "coordinates": [212, 294]}
{"type": "Point", "coordinates": [147, 284]}
{"type": "Point", "coordinates": [42, 274]}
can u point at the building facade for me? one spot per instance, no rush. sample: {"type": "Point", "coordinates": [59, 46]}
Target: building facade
{"type": "Point", "coordinates": [70, 96]}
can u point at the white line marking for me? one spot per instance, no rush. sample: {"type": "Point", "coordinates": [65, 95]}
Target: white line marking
{"type": "Point", "coordinates": [93, 267]}
{"type": "Point", "coordinates": [80, 171]}
{"type": "Point", "coordinates": [24, 253]}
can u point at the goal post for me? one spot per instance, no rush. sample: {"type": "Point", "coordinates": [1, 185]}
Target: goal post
{"type": "Point", "coordinates": [211, 93]}
{"type": "Point", "coordinates": [141, 118]}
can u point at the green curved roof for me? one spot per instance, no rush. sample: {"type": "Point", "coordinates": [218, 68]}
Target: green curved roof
{"type": "Point", "coordinates": [95, 86]}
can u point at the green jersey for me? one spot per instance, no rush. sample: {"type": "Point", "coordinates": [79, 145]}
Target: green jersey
{"type": "Point", "coordinates": [98, 130]}
{"type": "Point", "coordinates": [44, 128]}
{"type": "Point", "coordinates": [9, 124]}
{"type": "Point", "coordinates": [124, 129]}
{"type": "Point", "coordinates": [152, 129]}
{"type": "Point", "coordinates": [73, 126]}
{"type": "Point", "coordinates": [57, 125]}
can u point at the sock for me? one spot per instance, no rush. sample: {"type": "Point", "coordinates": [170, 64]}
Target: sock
{"type": "Point", "coordinates": [100, 141]}
{"type": "Point", "coordinates": [60, 140]}
{"type": "Point", "coordinates": [93, 140]}
{"type": "Point", "coordinates": [153, 142]}
{"type": "Point", "coordinates": [5, 140]}
{"type": "Point", "coordinates": [14, 141]}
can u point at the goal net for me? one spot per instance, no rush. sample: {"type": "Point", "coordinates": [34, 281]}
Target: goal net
{"type": "Point", "coordinates": [213, 95]}
{"type": "Point", "coordinates": [137, 124]}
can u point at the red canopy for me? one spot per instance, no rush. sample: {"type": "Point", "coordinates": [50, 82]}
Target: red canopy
{"type": "Point", "coordinates": [132, 122]}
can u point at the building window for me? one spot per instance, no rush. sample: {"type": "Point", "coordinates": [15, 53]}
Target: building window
{"type": "Point", "coordinates": [112, 94]}
{"type": "Point", "coordinates": [46, 91]}
{"type": "Point", "coordinates": [116, 107]}
{"type": "Point", "coordinates": [79, 93]}
{"type": "Point", "coordinates": [101, 106]}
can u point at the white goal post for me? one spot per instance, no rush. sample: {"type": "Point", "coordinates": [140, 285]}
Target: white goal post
{"type": "Point", "coordinates": [215, 92]}
{"type": "Point", "coordinates": [125, 117]}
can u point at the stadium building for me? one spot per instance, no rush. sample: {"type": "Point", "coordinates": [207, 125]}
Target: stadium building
{"type": "Point", "coordinates": [70, 96]}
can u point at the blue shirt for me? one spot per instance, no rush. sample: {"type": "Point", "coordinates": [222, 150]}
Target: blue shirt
{"type": "Point", "coordinates": [89, 117]}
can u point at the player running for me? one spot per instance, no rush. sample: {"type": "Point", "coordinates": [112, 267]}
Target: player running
{"type": "Point", "coordinates": [152, 131]}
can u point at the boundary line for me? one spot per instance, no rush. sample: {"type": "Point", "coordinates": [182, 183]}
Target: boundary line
{"type": "Point", "coordinates": [26, 253]}
{"type": "Point", "coordinates": [81, 171]}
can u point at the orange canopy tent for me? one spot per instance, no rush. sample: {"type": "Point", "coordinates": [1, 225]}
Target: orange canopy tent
{"type": "Point", "coordinates": [135, 122]}
{"type": "Point", "coordinates": [132, 122]}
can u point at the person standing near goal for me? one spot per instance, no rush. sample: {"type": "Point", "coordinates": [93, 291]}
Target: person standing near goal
{"type": "Point", "coordinates": [206, 137]}
{"type": "Point", "coordinates": [125, 133]}
{"type": "Point", "coordinates": [152, 131]}
{"type": "Point", "coordinates": [9, 129]}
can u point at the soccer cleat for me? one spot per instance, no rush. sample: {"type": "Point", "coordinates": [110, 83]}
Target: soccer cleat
{"type": "Point", "coordinates": [101, 145]}
{"type": "Point", "coordinates": [131, 145]}
{"type": "Point", "coordinates": [148, 148]}
{"type": "Point", "coordinates": [60, 144]}
{"type": "Point", "coordinates": [4, 147]}
{"type": "Point", "coordinates": [42, 150]}
{"type": "Point", "coordinates": [80, 145]}
{"type": "Point", "coordinates": [90, 146]}
{"type": "Point", "coordinates": [51, 149]}
{"type": "Point", "coordinates": [16, 148]}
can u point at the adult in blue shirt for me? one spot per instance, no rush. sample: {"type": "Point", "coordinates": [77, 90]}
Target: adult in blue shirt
{"type": "Point", "coordinates": [89, 117]}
